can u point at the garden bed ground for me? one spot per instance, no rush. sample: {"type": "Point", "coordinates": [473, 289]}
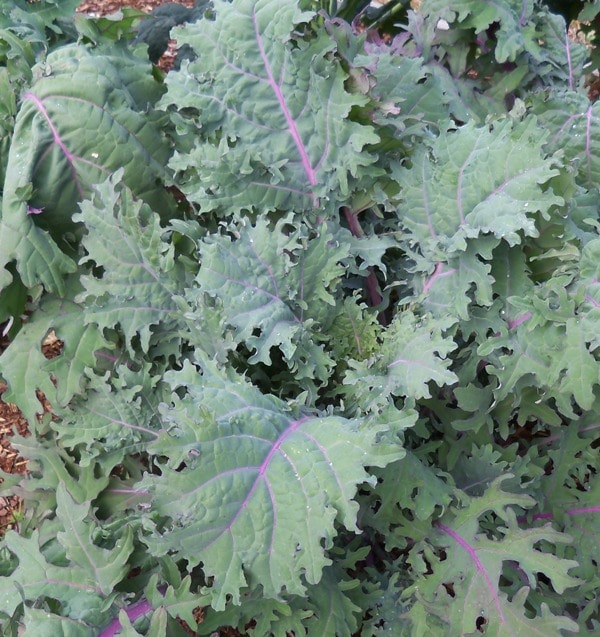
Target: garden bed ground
{"type": "Point", "coordinates": [11, 420]}
{"type": "Point", "coordinates": [105, 7]}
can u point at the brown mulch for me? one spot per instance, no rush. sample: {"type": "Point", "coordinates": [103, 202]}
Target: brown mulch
{"type": "Point", "coordinates": [11, 421]}
{"type": "Point", "coordinates": [105, 7]}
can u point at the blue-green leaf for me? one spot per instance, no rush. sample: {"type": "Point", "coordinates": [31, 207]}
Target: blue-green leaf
{"type": "Point", "coordinates": [273, 129]}
{"type": "Point", "coordinates": [476, 181]}
{"type": "Point", "coordinates": [263, 486]}
{"type": "Point", "coordinates": [86, 116]}
{"type": "Point", "coordinates": [275, 286]}
{"type": "Point", "coordinates": [140, 276]}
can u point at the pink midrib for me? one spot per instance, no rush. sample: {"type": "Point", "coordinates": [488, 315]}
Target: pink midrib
{"type": "Point", "coordinates": [290, 121]}
{"type": "Point", "coordinates": [478, 564]}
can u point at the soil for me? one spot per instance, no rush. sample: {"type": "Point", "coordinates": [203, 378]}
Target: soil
{"type": "Point", "coordinates": [105, 7]}
{"type": "Point", "coordinates": [11, 421]}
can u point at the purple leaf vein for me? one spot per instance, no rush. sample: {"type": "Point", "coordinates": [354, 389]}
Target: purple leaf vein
{"type": "Point", "coordinates": [291, 123]}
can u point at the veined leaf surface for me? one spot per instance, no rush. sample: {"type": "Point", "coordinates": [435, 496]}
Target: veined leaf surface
{"type": "Point", "coordinates": [275, 287]}
{"type": "Point", "coordinates": [511, 16]}
{"type": "Point", "coordinates": [85, 117]}
{"type": "Point", "coordinates": [475, 181]}
{"type": "Point", "coordinates": [282, 147]}
{"type": "Point", "coordinates": [26, 369]}
{"type": "Point", "coordinates": [473, 566]}
{"type": "Point", "coordinates": [139, 281]}
{"type": "Point", "coordinates": [263, 485]}
{"type": "Point", "coordinates": [574, 125]}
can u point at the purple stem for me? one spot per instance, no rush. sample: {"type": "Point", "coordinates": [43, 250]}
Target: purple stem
{"type": "Point", "coordinates": [353, 223]}
{"type": "Point", "coordinates": [113, 359]}
{"type": "Point", "coordinates": [371, 283]}
{"type": "Point", "coordinates": [549, 516]}
{"type": "Point", "coordinates": [521, 319]}
{"type": "Point", "coordinates": [71, 157]}
{"type": "Point", "coordinates": [522, 18]}
{"type": "Point", "coordinates": [133, 612]}
{"type": "Point", "coordinates": [376, 298]}
{"type": "Point", "coordinates": [108, 357]}
{"type": "Point", "coordinates": [592, 301]}
{"type": "Point", "coordinates": [569, 62]}
{"type": "Point", "coordinates": [289, 118]}
{"type": "Point", "coordinates": [473, 555]}
{"type": "Point", "coordinates": [550, 439]}
{"type": "Point", "coordinates": [588, 141]}
{"type": "Point", "coordinates": [438, 272]}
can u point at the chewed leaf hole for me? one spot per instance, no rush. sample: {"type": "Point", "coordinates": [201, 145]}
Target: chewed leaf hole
{"type": "Point", "coordinates": [449, 586]}
{"type": "Point", "coordinates": [52, 346]}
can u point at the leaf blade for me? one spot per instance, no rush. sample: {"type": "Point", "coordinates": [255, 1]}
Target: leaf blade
{"type": "Point", "coordinates": [258, 459]}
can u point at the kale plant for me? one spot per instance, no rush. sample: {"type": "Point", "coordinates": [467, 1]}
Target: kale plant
{"type": "Point", "coordinates": [329, 309]}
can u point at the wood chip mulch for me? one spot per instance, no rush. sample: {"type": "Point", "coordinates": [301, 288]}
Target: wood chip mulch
{"type": "Point", "coordinates": [99, 8]}
{"type": "Point", "coordinates": [11, 421]}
